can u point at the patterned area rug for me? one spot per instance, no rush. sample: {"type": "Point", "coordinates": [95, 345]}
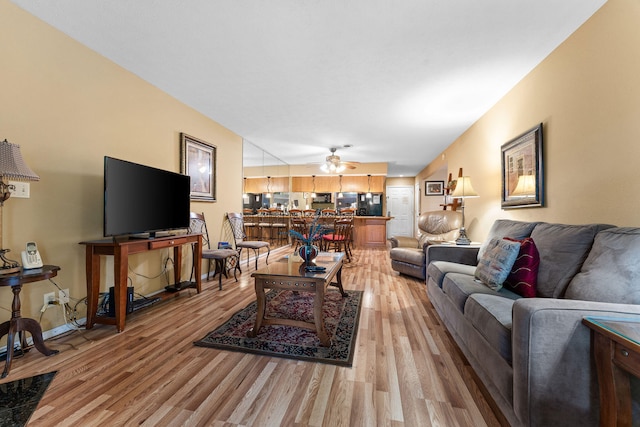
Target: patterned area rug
{"type": "Point", "coordinates": [341, 316]}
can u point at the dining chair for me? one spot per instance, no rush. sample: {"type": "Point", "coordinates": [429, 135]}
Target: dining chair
{"type": "Point", "coordinates": [340, 239]}
{"type": "Point", "coordinates": [223, 259]}
{"type": "Point", "coordinates": [237, 226]}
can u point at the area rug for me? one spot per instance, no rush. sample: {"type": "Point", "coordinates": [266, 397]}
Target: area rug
{"type": "Point", "coordinates": [19, 398]}
{"type": "Point", "coordinates": [341, 316]}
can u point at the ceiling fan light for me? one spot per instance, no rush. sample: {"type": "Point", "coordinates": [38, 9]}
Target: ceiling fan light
{"type": "Point", "coordinates": [324, 168]}
{"type": "Point", "coordinates": [340, 168]}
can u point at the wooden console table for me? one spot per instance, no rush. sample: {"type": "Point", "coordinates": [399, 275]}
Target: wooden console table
{"type": "Point", "coordinates": [19, 324]}
{"type": "Point", "coordinates": [616, 349]}
{"type": "Point", "coordinates": [120, 250]}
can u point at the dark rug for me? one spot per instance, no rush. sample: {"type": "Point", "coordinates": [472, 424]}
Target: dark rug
{"type": "Point", "coordinates": [341, 316]}
{"type": "Point", "coordinates": [19, 398]}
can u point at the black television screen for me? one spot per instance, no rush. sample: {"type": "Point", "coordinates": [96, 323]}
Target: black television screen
{"type": "Point", "coordinates": [141, 199]}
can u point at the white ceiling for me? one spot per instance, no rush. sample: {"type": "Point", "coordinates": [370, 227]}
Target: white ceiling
{"type": "Point", "coordinates": [397, 79]}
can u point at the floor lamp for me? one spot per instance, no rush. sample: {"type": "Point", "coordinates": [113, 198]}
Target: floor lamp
{"type": "Point", "coordinates": [463, 190]}
{"type": "Point", "coordinates": [12, 166]}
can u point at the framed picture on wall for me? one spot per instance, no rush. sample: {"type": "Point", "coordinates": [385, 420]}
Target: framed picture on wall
{"type": "Point", "coordinates": [198, 160]}
{"type": "Point", "coordinates": [522, 171]}
{"type": "Point", "coordinates": [434, 188]}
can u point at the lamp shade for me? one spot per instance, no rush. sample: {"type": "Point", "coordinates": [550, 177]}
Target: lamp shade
{"type": "Point", "coordinates": [464, 189]}
{"type": "Point", "coordinates": [526, 186]}
{"type": "Point", "coordinates": [12, 164]}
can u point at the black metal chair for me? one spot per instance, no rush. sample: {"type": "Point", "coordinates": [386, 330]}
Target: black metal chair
{"type": "Point", "coordinates": [197, 224]}
{"type": "Point", "coordinates": [237, 226]}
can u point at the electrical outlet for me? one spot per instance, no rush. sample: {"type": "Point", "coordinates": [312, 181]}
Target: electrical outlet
{"type": "Point", "coordinates": [19, 189]}
{"type": "Point", "coordinates": [49, 298]}
{"type": "Point", "coordinates": [63, 296]}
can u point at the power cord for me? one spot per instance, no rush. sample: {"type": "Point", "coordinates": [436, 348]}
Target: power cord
{"type": "Point", "coordinates": [67, 311]}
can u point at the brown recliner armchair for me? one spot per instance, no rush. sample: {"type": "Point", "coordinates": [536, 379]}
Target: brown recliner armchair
{"type": "Point", "coordinates": [409, 254]}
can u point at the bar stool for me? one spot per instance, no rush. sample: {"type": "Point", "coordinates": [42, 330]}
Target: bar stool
{"type": "Point", "coordinates": [264, 223]}
{"type": "Point", "coordinates": [278, 225]}
{"type": "Point", "coordinates": [250, 223]}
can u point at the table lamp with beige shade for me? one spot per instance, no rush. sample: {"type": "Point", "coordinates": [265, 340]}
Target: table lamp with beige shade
{"type": "Point", "coordinates": [12, 166]}
{"type": "Point", "coordinates": [463, 190]}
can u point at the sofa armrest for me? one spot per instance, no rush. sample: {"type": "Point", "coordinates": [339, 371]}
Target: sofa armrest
{"type": "Point", "coordinates": [458, 254]}
{"type": "Point", "coordinates": [403, 242]}
{"type": "Point", "coordinates": [553, 371]}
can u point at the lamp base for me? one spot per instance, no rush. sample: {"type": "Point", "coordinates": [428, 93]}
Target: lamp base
{"type": "Point", "coordinates": [463, 239]}
{"type": "Point", "coordinates": [7, 266]}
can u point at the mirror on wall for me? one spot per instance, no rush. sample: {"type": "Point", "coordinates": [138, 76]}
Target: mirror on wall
{"type": "Point", "coordinates": [266, 179]}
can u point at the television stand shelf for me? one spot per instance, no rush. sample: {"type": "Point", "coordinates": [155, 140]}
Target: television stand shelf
{"type": "Point", "coordinates": [120, 250]}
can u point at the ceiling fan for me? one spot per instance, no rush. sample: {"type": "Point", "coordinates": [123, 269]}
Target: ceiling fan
{"type": "Point", "coordinates": [333, 164]}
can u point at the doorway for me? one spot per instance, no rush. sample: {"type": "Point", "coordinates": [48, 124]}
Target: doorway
{"type": "Point", "coordinates": [400, 204]}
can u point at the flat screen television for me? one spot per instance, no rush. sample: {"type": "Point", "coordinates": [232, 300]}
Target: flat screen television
{"type": "Point", "coordinates": [139, 199]}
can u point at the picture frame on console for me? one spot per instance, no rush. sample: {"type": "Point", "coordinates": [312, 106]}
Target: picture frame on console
{"type": "Point", "coordinates": [198, 160]}
{"type": "Point", "coordinates": [522, 171]}
{"type": "Point", "coordinates": [434, 188]}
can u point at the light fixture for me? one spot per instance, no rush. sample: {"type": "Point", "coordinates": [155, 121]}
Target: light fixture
{"type": "Point", "coordinates": [245, 196]}
{"type": "Point", "coordinates": [340, 195]}
{"type": "Point", "coordinates": [268, 195]}
{"type": "Point", "coordinates": [12, 166]}
{"type": "Point", "coordinates": [463, 190]}
{"type": "Point", "coordinates": [526, 186]}
{"type": "Point", "coordinates": [369, 195]}
{"type": "Point", "coordinates": [332, 163]}
{"type": "Point", "coordinates": [313, 193]}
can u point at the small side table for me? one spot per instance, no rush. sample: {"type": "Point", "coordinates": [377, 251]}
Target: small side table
{"type": "Point", "coordinates": [615, 343]}
{"type": "Point", "coordinates": [17, 323]}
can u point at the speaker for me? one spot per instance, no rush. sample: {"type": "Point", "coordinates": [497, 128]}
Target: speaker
{"type": "Point", "coordinates": [112, 299]}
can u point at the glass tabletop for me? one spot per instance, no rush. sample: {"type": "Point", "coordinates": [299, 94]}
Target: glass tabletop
{"type": "Point", "coordinates": [289, 266]}
{"type": "Point", "coordinates": [624, 327]}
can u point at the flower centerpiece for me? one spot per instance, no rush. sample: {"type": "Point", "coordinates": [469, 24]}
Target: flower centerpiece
{"type": "Point", "coordinates": [308, 251]}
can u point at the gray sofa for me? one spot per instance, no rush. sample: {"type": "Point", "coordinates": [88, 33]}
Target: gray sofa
{"type": "Point", "coordinates": [408, 254]}
{"type": "Point", "coordinates": [533, 354]}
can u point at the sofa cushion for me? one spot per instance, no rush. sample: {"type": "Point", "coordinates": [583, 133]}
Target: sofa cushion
{"type": "Point", "coordinates": [524, 274]}
{"type": "Point", "coordinates": [491, 317]}
{"type": "Point", "coordinates": [611, 272]}
{"type": "Point", "coordinates": [495, 264]}
{"type": "Point", "coordinates": [507, 228]}
{"type": "Point", "coordinates": [438, 269]}
{"type": "Point", "coordinates": [409, 255]}
{"type": "Point", "coordinates": [563, 248]}
{"type": "Point", "coordinates": [458, 287]}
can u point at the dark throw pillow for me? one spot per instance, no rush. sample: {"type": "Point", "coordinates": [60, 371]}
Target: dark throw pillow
{"type": "Point", "coordinates": [523, 277]}
{"type": "Point", "coordinates": [496, 262]}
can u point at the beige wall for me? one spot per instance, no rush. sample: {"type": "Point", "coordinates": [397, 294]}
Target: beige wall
{"type": "Point", "coordinates": [587, 96]}
{"type": "Point", "coordinates": [69, 107]}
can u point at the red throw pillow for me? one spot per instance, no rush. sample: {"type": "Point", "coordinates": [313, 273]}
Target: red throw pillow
{"type": "Point", "coordinates": [523, 277]}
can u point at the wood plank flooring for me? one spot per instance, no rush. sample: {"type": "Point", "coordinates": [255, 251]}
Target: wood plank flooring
{"type": "Point", "coordinates": [406, 370]}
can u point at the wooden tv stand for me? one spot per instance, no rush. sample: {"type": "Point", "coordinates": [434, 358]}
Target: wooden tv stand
{"type": "Point", "coordinates": [120, 250]}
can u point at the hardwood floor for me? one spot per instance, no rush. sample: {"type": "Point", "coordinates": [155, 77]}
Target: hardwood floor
{"type": "Point", "coordinates": [406, 370]}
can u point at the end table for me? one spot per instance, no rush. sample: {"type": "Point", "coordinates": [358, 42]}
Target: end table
{"type": "Point", "coordinates": [17, 323]}
{"type": "Point", "coordinates": [615, 342]}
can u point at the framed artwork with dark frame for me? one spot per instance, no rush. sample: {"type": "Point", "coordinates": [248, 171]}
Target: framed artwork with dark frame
{"type": "Point", "coordinates": [434, 188]}
{"type": "Point", "coordinates": [198, 160]}
{"type": "Point", "coordinates": [522, 171]}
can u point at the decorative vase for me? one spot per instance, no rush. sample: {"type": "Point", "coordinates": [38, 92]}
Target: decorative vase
{"type": "Point", "coordinates": [308, 253]}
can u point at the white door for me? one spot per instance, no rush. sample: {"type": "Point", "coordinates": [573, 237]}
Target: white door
{"type": "Point", "coordinates": [400, 205]}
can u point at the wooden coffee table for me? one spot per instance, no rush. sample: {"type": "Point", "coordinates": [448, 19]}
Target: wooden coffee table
{"type": "Point", "coordinates": [287, 274]}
